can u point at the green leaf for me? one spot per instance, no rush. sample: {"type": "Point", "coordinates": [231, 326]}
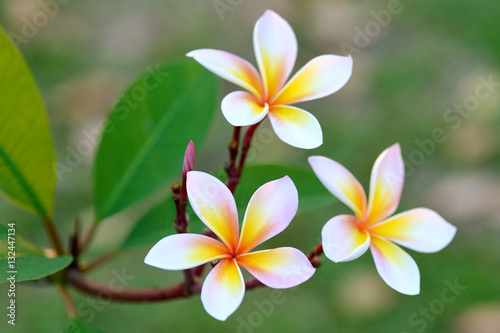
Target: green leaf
{"type": "Point", "coordinates": [312, 194]}
{"type": "Point", "coordinates": [34, 267]}
{"type": "Point", "coordinates": [147, 132]}
{"type": "Point", "coordinates": [30, 263]}
{"type": "Point", "coordinates": [76, 325]}
{"type": "Point", "coordinates": [27, 158]}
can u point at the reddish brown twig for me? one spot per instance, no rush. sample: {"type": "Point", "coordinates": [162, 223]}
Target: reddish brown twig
{"type": "Point", "coordinates": [313, 256]}
{"type": "Point", "coordinates": [234, 172]}
{"type": "Point", "coordinates": [91, 287]}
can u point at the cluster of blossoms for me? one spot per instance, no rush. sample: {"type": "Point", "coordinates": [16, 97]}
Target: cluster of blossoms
{"type": "Point", "coordinates": [274, 204]}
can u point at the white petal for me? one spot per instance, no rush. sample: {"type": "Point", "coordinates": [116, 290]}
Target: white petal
{"type": "Point", "coordinates": [341, 183]}
{"type": "Point", "coordinates": [242, 109]}
{"type": "Point", "coordinates": [296, 127]}
{"type": "Point", "coordinates": [395, 266]}
{"type": "Point", "coordinates": [275, 49]}
{"type": "Point", "coordinates": [320, 77]}
{"type": "Point", "coordinates": [280, 268]}
{"type": "Point", "coordinates": [214, 204]}
{"type": "Point", "coordinates": [342, 240]}
{"type": "Point", "coordinates": [386, 184]}
{"type": "Point", "coordinates": [419, 229]}
{"type": "Point", "coordinates": [183, 251]}
{"type": "Point", "coordinates": [223, 289]}
{"type": "Point", "coordinates": [270, 210]}
{"type": "Point", "coordinates": [230, 67]}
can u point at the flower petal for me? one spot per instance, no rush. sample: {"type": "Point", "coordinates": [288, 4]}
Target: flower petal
{"type": "Point", "coordinates": [223, 289]}
{"type": "Point", "coordinates": [280, 268]}
{"type": "Point", "coordinates": [395, 266]}
{"type": "Point", "coordinates": [419, 229]}
{"type": "Point", "coordinates": [386, 184]}
{"type": "Point", "coordinates": [320, 77]}
{"type": "Point", "coordinates": [183, 251]}
{"type": "Point", "coordinates": [341, 183]}
{"type": "Point", "coordinates": [296, 127]}
{"type": "Point", "coordinates": [242, 109]}
{"type": "Point", "coordinates": [270, 210]}
{"type": "Point", "coordinates": [215, 206]}
{"type": "Point", "coordinates": [342, 240]}
{"type": "Point", "coordinates": [275, 49]}
{"type": "Point", "coordinates": [230, 67]}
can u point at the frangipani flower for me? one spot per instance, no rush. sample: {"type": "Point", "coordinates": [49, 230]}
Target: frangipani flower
{"type": "Point", "coordinates": [269, 212]}
{"type": "Point", "coordinates": [346, 237]}
{"type": "Point", "coordinates": [269, 93]}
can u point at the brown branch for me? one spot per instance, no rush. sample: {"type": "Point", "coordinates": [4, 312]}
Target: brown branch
{"type": "Point", "coordinates": [247, 141]}
{"type": "Point", "coordinates": [313, 256]}
{"type": "Point", "coordinates": [233, 150]}
{"type": "Point", "coordinates": [88, 286]}
{"type": "Point", "coordinates": [69, 304]}
{"type": "Point", "coordinates": [181, 221]}
{"type": "Point", "coordinates": [233, 172]}
{"type": "Point", "coordinates": [85, 242]}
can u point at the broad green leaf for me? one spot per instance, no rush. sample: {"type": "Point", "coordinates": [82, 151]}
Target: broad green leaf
{"type": "Point", "coordinates": [34, 267]}
{"type": "Point", "coordinates": [29, 263]}
{"type": "Point", "coordinates": [77, 325]}
{"type": "Point", "coordinates": [312, 193]}
{"type": "Point", "coordinates": [159, 223]}
{"type": "Point", "coordinates": [147, 132]}
{"type": "Point", "coordinates": [27, 158]}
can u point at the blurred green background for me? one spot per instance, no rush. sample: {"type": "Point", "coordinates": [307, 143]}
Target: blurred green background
{"type": "Point", "coordinates": [423, 69]}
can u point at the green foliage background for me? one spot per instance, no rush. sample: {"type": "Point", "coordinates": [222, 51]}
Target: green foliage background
{"type": "Point", "coordinates": [430, 56]}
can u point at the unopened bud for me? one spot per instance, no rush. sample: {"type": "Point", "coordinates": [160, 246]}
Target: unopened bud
{"type": "Point", "coordinates": [189, 156]}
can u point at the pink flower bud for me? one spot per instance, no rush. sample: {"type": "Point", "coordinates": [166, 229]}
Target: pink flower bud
{"type": "Point", "coordinates": [188, 159]}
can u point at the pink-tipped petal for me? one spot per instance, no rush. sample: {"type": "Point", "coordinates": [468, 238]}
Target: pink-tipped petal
{"type": "Point", "coordinates": [214, 204]}
{"type": "Point", "coordinates": [419, 229]}
{"type": "Point", "coordinates": [395, 266]}
{"type": "Point", "coordinates": [386, 184]}
{"type": "Point", "coordinates": [242, 109]}
{"type": "Point", "coordinates": [230, 67]}
{"type": "Point", "coordinates": [342, 240]}
{"type": "Point", "coordinates": [280, 268]}
{"type": "Point", "coordinates": [189, 157]}
{"type": "Point", "coordinates": [341, 183]}
{"type": "Point", "coordinates": [275, 49]}
{"type": "Point", "coordinates": [223, 289]}
{"type": "Point", "coordinates": [320, 77]}
{"type": "Point", "coordinates": [270, 210]}
{"type": "Point", "coordinates": [296, 127]}
{"type": "Point", "coordinates": [183, 251]}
